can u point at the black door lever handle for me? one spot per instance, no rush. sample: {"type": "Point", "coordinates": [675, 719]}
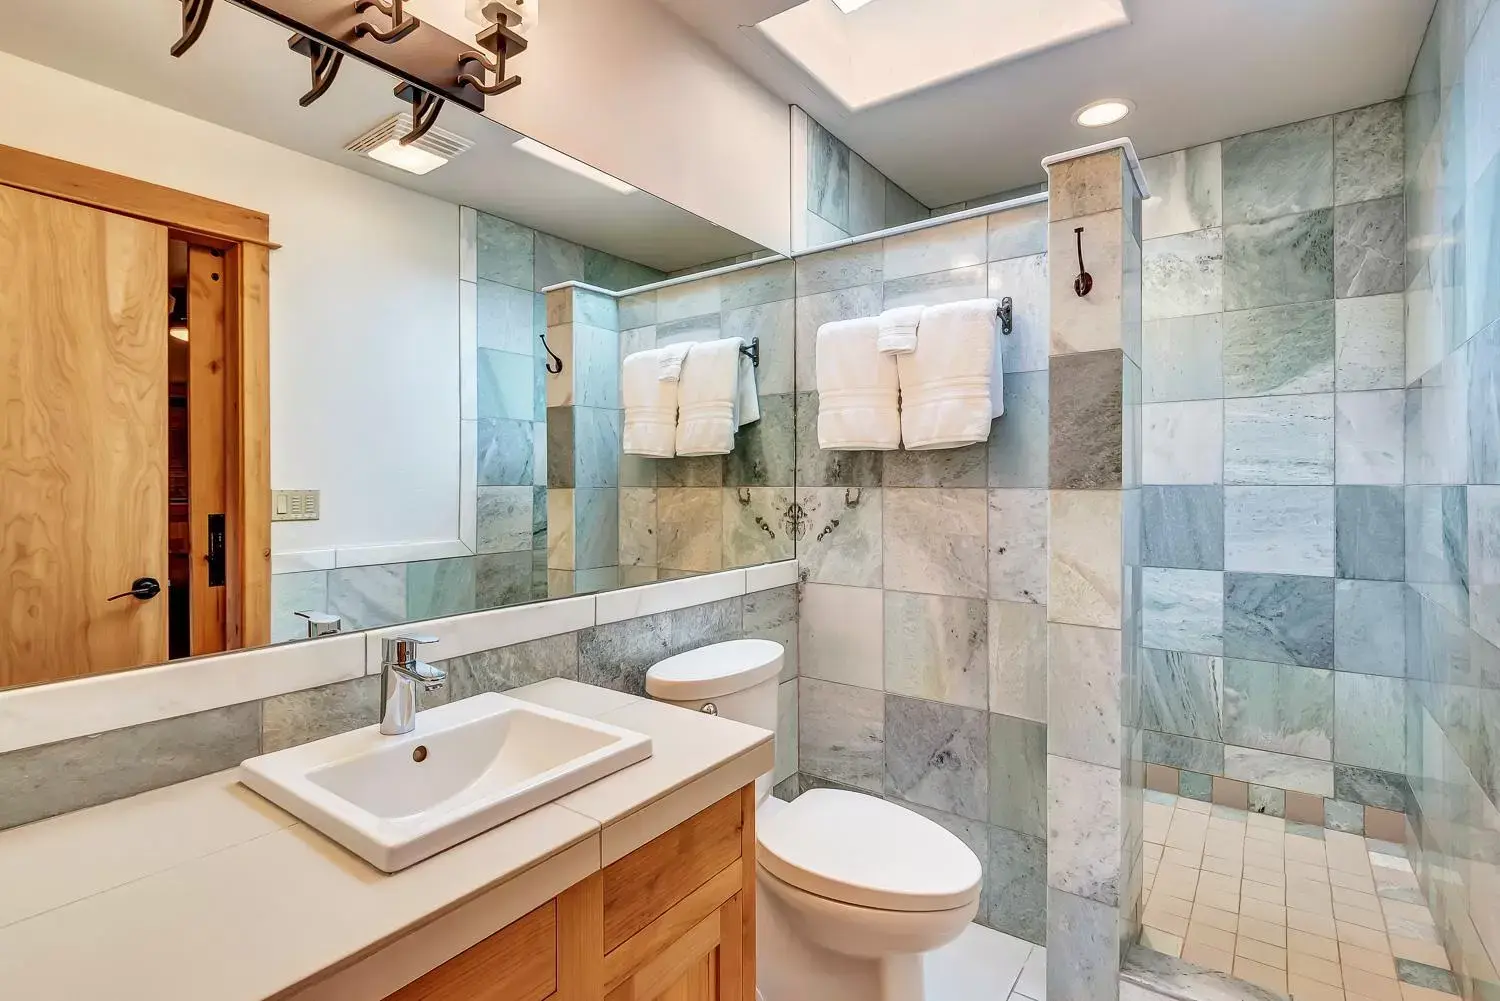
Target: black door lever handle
{"type": "Point", "coordinates": [142, 589]}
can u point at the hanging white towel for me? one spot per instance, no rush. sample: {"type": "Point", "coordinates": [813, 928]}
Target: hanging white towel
{"type": "Point", "coordinates": [707, 397]}
{"type": "Point", "coordinates": [747, 402]}
{"type": "Point", "coordinates": [857, 401]}
{"type": "Point", "coordinates": [650, 404]}
{"type": "Point", "coordinates": [672, 357]}
{"type": "Point", "coordinates": [898, 330]}
{"type": "Point", "coordinates": [951, 384]}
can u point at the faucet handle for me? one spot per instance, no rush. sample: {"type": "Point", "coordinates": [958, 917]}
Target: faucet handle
{"type": "Point", "coordinates": [403, 649]}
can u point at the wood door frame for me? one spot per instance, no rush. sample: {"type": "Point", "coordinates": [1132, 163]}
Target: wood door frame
{"type": "Point", "coordinates": [244, 236]}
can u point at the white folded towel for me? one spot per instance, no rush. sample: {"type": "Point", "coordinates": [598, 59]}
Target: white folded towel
{"type": "Point", "coordinates": [951, 384]}
{"type": "Point", "coordinates": [650, 404]}
{"type": "Point", "coordinates": [672, 357]}
{"type": "Point", "coordinates": [747, 402]}
{"type": "Point", "coordinates": [898, 330]}
{"type": "Point", "coordinates": [707, 395]}
{"type": "Point", "coordinates": [857, 394]}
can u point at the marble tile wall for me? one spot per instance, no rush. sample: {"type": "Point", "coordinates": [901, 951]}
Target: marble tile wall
{"type": "Point", "coordinates": [1451, 668]}
{"type": "Point", "coordinates": [923, 631]}
{"type": "Point", "coordinates": [1273, 517]}
{"type": "Point", "coordinates": [841, 195]}
{"type": "Point", "coordinates": [107, 766]}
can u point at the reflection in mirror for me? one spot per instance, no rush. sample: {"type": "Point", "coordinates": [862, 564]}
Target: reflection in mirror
{"type": "Point", "coordinates": [324, 404]}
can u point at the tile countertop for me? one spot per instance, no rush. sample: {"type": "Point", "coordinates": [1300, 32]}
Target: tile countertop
{"type": "Point", "coordinates": [205, 890]}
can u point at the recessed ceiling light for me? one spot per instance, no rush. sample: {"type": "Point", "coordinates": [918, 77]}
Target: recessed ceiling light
{"type": "Point", "coordinates": [560, 159]}
{"type": "Point", "coordinates": [430, 152]}
{"type": "Point", "coordinates": [1102, 113]}
{"type": "Point", "coordinates": [849, 6]}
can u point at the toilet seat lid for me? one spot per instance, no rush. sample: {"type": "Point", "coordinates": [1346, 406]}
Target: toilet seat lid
{"type": "Point", "coordinates": [863, 851]}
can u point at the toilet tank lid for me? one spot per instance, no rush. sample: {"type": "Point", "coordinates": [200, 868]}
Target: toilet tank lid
{"type": "Point", "coordinates": [719, 669]}
{"type": "Point", "coordinates": [863, 851]}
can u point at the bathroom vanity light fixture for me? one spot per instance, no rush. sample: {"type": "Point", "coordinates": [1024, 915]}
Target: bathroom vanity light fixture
{"type": "Point", "coordinates": [560, 159]}
{"type": "Point", "coordinates": [1102, 113]}
{"type": "Point", "coordinates": [419, 156]}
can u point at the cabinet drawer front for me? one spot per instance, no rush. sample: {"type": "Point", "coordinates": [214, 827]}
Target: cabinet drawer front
{"type": "Point", "coordinates": [645, 884]}
{"type": "Point", "coordinates": [517, 963]}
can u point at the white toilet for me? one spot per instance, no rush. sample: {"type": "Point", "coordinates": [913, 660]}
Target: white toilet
{"type": "Point", "coordinates": [852, 890]}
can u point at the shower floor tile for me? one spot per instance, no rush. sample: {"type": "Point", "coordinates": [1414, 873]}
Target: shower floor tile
{"type": "Point", "coordinates": [1313, 914]}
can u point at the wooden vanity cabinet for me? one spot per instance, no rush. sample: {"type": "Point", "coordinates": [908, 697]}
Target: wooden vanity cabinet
{"type": "Point", "coordinates": [672, 921]}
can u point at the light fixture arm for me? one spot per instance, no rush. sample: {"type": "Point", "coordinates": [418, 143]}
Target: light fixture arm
{"type": "Point", "coordinates": [402, 23]}
{"type": "Point", "coordinates": [194, 20]}
{"type": "Point", "coordinates": [499, 43]}
{"type": "Point", "coordinates": [425, 108]}
{"type": "Point", "coordinates": [325, 61]}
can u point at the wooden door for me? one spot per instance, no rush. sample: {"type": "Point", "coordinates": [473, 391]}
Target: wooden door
{"type": "Point", "coordinates": [208, 365]}
{"type": "Point", "coordinates": [706, 963]}
{"type": "Point", "coordinates": [83, 438]}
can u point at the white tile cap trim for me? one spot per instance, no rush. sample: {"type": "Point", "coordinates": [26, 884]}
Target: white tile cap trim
{"type": "Point", "coordinates": [769, 575]}
{"type": "Point", "coordinates": [471, 632]}
{"type": "Point", "coordinates": [668, 595]}
{"type": "Point", "coordinates": [45, 714]}
{"type": "Point", "coordinates": [1122, 143]}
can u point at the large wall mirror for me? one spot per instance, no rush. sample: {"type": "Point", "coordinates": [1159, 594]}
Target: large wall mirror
{"type": "Point", "coordinates": [424, 460]}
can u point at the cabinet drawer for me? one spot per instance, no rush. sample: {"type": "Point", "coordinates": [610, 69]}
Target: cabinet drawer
{"type": "Point", "coordinates": [517, 963]}
{"type": "Point", "coordinates": [645, 884]}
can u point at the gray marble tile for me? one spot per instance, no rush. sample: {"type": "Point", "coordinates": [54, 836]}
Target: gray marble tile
{"type": "Point", "coordinates": [1187, 191]}
{"type": "Point", "coordinates": [1018, 545]}
{"type": "Point", "coordinates": [1086, 436]}
{"type": "Point", "coordinates": [435, 588]}
{"type": "Point", "coordinates": [936, 648]}
{"type": "Point", "coordinates": [1370, 727]}
{"type": "Point", "coordinates": [506, 385]}
{"type": "Point", "coordinates": [937, 756]}
{"type": "Point", "coordinates": [937, 288]}
{"type": "Point", "coordinates": [1279, 349]}
{"type": "Point", "coordinates": [1369, 247]}
{"type": "Point", "coordinates": [506, 519]}
{"type": "Point", "coordinates": [1284, 530]}
{"type": "Point", "coordinates": [772, 615]}
{"type": "Point", "coordinates": [840, 636]}
{"type": "Point", "coordinates": [638, 526]}
{"type": "Point", "coordinates": [367, 597]}
{"type": "Point", "coordinates": [947, 467]}
{"type": "Point", "coordinates": [688, 330]}
{"type": "Point", "coordinates": [866, 196]}
{"type": "Point", "coordinates": [1368, 432]}
{"type": "Point", "coordinates": [841, 535]}
{"type": "Point", "coordinates": [765, 453]}
{"type": "Point", "coordinates": [818, 467]}
{"type": "Point", "coordinates": [1283, 260]}
{"type": "Point", "coordinates": [506, 452]}
{"type": "Point", "coordinates": [900, 207]}
{"type": "Point", "coordinates": [845, 267]}
{"type": "Point", "coordinates": [505, 579]}
{"type": "Point", "coordinates": [690, 528]}
{"type": "Point", "coordinates": [562, 441]}
{"type": "Point", "coordinates": [1094, 322]}
{"type": "Point", "coordinates": [1279, 171]}
{"type": "Point", "coordinates": [1370, 787]}
{"type": "Point", "coordinates": [618, 655]}
{"type": "Point", "coordinates": [1370, 627]}
{"type": "Point", "coordinates": [1182, 358]}
{"type": "Point", "coordinates": [1280, 771]}
{"type": "Point", "coordinates": [841, 734]}
{"type": "Point", "coordinates": [1182, 693]}
{"type": "Point", "coordinates": [1484, 406]}
{"type": "Point", "coordinates": [1371, 533]}
{"type": "Point", "coordinates": [1086, 185]}
{"type": "Point", "coordinates": [1367, 153]}
{"type": "Point", "coordinates": [1278, 707]}
{"type": "Point", "coordinates": [774, 281]}
{"type": "Point", "coordinates": [1083, 693]}
{"type": "Point", "coordinates": [1282, 619]}
{"type": "Point", "coordinates": [756, 526]}
{"type": "Point", "coordinates": [1018, 232]}
{"type": "Point", "coordinates": [292, 593]}
{"type": "Point", "coordinates": [596, 367]}
{"type": "Point", "coordinates": [1025, 281]}
{"type": "Point", "coordinates": [615, 273]}
{"type": "Point", "coordinates": [1018, 440]}
{"type": "Point", "coordinates": [1432, 978]}
{"type": "Point", "coordinates": [940, 248]}
{"type": "Point", "coordinates": [1018, 775]}
{"type": "Point", "coordinates": [596, 529]}
{"type": "Point", "coordinates": [1182, 275]}
{"type": "Point", "coordinates": [775, 324]}
{"type": "Point", "coordinates": [312, 714]}
{"type": "Point", "coordinates": [1177, 978]}
{"type": "Point", "coordinates": [700, 625]}
{"type": "Point", "coordinates": [691, 471]}
{"type": "Point", "coordinates": [1018, 660]}
{"type": "Point", "coordinates": [505, 321]}
{"type": "Point", "coordinates": [1083, 828]}
{"type": "Point", "coordinates": [504, 668]}
{"type": "Point", "coordinates": [934, 541]}
{"type": "Point", "coordinates": [1271, 802]}
{"type": "Point", "coordinates": [596, 447]}
{"type": "Point", "coordinates": [827, 176]}
{"type": "Point", "coordinates": [557, 261]}
{"type": "Point", "coordinates": [1370, 339]}
{"type": "Point", "coordinates": [1182, 610]}
{"type": "Point", "coordinates": [1083, 958]}
{"type": "Point", "coordinates": [1084, 585]}
{"type": "Point", "coordinates": [1188, 753]}
{"type": "Point", "coordinates": [1017, 883]}
{"type": "Point", "coordinates": [1280, 440]}
{"type": "Point", "coordinates": [1182, 443]}
{"type": "Point", "coordinates": [505, 252]}
{"type": "Point", "coordinates": [816, 309]}
{"type": "Point", "coordinates": [1182, 527]}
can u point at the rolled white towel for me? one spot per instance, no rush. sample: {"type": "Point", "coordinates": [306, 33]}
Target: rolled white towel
{"type": "Point", "coordinates": [707, 395]}
{"type": "Point", "coordinates": [858, 408]}
{"type": "Point", "coordinates": [898, 330]}
{"type": "Point", "coordinates": [950, 384]}
{"type": "Point", "coordinates": [650, 405]}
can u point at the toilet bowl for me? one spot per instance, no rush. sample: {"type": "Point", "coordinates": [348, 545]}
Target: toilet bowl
{"type": "Point", "coordinates": [852, 891]}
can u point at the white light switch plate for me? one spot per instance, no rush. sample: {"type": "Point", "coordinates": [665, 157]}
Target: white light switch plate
{"type": "Point", "coordinates": [294, 505]}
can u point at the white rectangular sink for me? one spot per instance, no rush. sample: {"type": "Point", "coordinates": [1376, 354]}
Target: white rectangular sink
{"type": "Point", "coordinates": [467, 767]}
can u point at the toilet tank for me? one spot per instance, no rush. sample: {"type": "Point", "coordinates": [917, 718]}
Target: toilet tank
{"type": "Point", "coordinates": [737, 678]}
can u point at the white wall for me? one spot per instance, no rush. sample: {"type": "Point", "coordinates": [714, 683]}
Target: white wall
{"type": "Point", "coordinates": [626, 86]}
{"type": "Point", "coordinates": [364, 302]}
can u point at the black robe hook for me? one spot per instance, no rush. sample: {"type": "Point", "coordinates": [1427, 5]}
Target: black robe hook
{"type": "Point", "coordinates": [1084, 283]}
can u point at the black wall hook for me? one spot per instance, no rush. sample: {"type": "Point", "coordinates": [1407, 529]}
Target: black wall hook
{"type": "Point", "coordinates": [1084, 283]}
{"type": "Point", "coordinates": [553, 355]}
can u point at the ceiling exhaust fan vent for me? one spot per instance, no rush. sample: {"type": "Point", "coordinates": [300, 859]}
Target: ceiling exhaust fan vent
{"type": "Point", "coordinates": [438, 142]}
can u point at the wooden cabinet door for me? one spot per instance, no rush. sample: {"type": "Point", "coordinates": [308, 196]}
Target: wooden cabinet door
{"type": "Point", "coordinates": [705, 964]}
{"type": "Point", "coordinates": [83, 438]}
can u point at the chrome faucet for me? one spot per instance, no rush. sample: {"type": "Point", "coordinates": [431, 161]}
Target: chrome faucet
{"type": "Point", "coordinates": [400, 674]}
{"type": "Point", "coordinates": [321, 623]}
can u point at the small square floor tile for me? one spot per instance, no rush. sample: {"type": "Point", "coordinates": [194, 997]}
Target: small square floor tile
{"type": "Point", "coordinates": [1368, 985]}
{"type": "Point", "coordinates": [1270, 955]}
{"type": "Point", "coordinates": [1315, 968]}
{"type": "Point", "coordinates": [1378, 963]}
{"type": "Point", "coordinates": [1317, 946]}
{"type": "Point", "coordinates": [1422, 975]}
{"type": "Point", "coordinates": [1213, 959]}
{"type": "Point", "coordinates": [1260, 974]}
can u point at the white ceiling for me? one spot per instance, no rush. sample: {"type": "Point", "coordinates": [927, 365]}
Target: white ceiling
{"type": "Point", "coordinates": [242, 75]}
{"type": "Point", "coordinates": [1198, 70]}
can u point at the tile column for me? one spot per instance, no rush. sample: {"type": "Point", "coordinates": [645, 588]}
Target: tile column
{"type": "Point", "coordinates": [1093, 753]}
